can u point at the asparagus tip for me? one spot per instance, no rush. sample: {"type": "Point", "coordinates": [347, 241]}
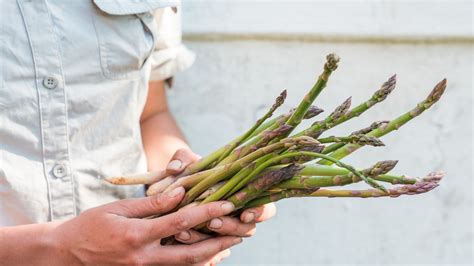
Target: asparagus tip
{"type": "Point", "coordinates": [437, 92]}
{"type": "Point", "coordinates": [382, 167]}
{"type": "Point", "coordinates": [279, 100]}
{"type": "Point", "coordinates": [312, 112]}
{"type": "Point", "coordinates": [373, 126]}
{"type": "Point", "coordinates": [341, 109]}
{"type": "Point", "coordinates": [433, 177]}
{"type": "Point", "coordinates": [332, 61]}
{"type": "Point", "coordinates": [417, 188]}
{"type": "Point", "coordinates": [300, 141]}
{"type": "Point", "coordinates": [386, 88]}
{"type": "Point", "coordinates": [280, 131]}
{"type": "Point", "coordinates": [367, 140]}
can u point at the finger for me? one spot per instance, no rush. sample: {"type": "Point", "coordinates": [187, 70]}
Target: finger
{"type": "Point", "coordinates": [231, 227]}
{"type": "Point", "coordinates": [143, 207]}
{"type": "Point", "coordinates": [185, 219]}
{"type": "Point", "coordinates": [258, 214]}
{"type": "Point", "coordinates": [218, 258]}
{"type": "Point", "coordinates": [180, 160]}
{"type": "Point", "coordinates": [191, 236]}
{"type": "Point", "coordinates": [198, 252]}
{"type": "Point", "coordinates": [160, 186]}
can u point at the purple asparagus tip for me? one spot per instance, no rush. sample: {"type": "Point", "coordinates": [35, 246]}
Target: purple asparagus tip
{"type": "Point", "coordinates": [312, 112]}
{"type": "Point", "coordinates": [426, 184]}
{"type": "Point", "coordinates": [437, 92]}
{"type": "Point", "coordinates": [386, 88]}
{"type": "Point", "coordinates": [279, 100]}
{"type": "Point", "coordinates": [341, 109]}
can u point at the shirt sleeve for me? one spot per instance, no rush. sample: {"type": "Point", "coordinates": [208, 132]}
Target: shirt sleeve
{"type": "Point", "coordinates": [170, 55]}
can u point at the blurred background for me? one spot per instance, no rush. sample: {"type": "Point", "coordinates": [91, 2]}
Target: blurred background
{"type": "Point", "coordinates": [248, 51]}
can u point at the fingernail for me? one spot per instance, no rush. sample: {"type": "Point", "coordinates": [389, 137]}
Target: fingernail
{"type": "Point", "coordinates": [225, 253]}
{"type": "Point", "coordinates": [185, 235]}
{"type": "Point", "coordinates": [215, 223]}
{"type": "Point", "coordinates": [175, 165]}
{"type": "Point", "coordinates": [237, 241]}
{"type": "Point", "coordinates": [249, 217]}
{"type": "Point", "coordinates": [227, 207]}
{"type": "Point", "coordinates": [175, 192]}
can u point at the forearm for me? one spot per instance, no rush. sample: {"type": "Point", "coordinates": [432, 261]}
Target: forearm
{"type": "Point", "coordinates": [27, 244]}
{"type": "Point", "coordinates": [161, 138]}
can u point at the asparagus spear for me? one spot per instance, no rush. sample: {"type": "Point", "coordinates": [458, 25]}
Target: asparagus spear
{"type": "Point", "coordinates": [279, 128]}
{"type": "Point", "coordinates": [231, 146]}
{"type": "Point", "coordinates": [303, 182]}
{"type": "Point", "coordinates": [331, 64]}
{"type": "Point", "coordinates": [359, 139]}
{"type": "Point", "coordinates": [395, 124]}
{"type": "Point", "coordinates": [277, 159]}
{"type": "Point", "coordinates": [254, 188]}
{"type": "Point", "coordinates": [210, 191]}
{"type": "Point", "coordinates": [423, 186]}
{"type": "Point", "coordinates": [363, 131]}
{"type": "Point", "coordinates": [380, 95]}
{"type": "Point", "coordinates": [285, 194]}
{"type": "Point", "coordinates": [299, 113]}
{"type": "Point", "coordinates": [209, 159]}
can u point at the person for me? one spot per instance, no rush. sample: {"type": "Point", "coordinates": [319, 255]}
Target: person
{"type": "Point", "coordinates": [82, 97]}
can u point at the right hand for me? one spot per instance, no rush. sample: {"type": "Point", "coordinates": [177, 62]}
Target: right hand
{"type": "Point", "coordinates": [115, 234]}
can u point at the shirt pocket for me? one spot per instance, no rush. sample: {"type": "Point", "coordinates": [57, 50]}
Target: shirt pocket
{"type": "Point", "coordinates": [126, 33]}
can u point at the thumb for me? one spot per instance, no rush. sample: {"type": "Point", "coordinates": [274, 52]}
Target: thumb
{"type": "Point", "coordinates": [180, 160]}
{"type": "Point", "coordinates": [148, 206]}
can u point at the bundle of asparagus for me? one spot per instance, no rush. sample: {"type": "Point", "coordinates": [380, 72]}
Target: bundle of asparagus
{"type": "Point", "coordinates": [269, 163]}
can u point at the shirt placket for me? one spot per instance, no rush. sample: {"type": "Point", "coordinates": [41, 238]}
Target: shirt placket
{"type": "Point", "coordinates": [52, 104]}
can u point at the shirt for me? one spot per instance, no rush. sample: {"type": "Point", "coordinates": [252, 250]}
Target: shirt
{"type": "Point", "coordinates": [73, 84]}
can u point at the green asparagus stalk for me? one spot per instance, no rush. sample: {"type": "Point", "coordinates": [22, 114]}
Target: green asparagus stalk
{"type": "Point", "coordinates": [300, 112]}
{"type": "Point", "coordinates": [331, 64]}
{"type": "Point", "coordinates": [321, 171]}
{"type": "Point", "coordinates": [380, 95]}
{"type": "Point", "coordinates": [303, 182]}
{"type": "Point", "coordinates": [262, 138]}
{"type": "Point", "coordinates": [210, 191]}
{"type": "Point", "coordinates": [277, 159]}
{"type": "Point", "coordinates": [221, 192]}
{"type": "Point", "coordinates": [359, 139]}
{"type": "Point", "coordinates": [362, 131]}
{"type": "Point", "coordinates": [267, 180]}
{"type": "Point", "coordinates": [395, 124]}
{"type": "Point", "coordinates": [231, 146]}
{"type": "Point", "coordinates": [211, 158]}
{"type": "Point", "coordinates": [222, 172]}
{"type": "Point", "coordinates": [274, 197]}
{"type": "Point", "coordinates": [423, 186]}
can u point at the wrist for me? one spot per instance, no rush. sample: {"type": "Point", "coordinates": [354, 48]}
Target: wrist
{"type": "Point", "coordinates": [56, 246]}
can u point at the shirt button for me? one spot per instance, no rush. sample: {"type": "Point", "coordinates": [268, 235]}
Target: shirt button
{"type": "Point", "coordinates": [50, 83]}
{"type": "Point", "coordinates": [59, 171]}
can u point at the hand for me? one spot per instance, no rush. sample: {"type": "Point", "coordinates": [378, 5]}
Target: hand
{"type": "Point", "coordinates": [179, 161]}
{"type": "Point", "coordinates": [245, 227]}
{"type": "Point", "coordinates": [114, 234]}
{"type": "Point", "coordinates": [230, 226]}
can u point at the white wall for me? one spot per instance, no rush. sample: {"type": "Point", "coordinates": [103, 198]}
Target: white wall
{"type": "Point", "coordinates": [237, 75]}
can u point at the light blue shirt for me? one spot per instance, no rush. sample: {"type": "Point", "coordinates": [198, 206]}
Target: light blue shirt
{"type": "Point", "coordinates": [73, 84]}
